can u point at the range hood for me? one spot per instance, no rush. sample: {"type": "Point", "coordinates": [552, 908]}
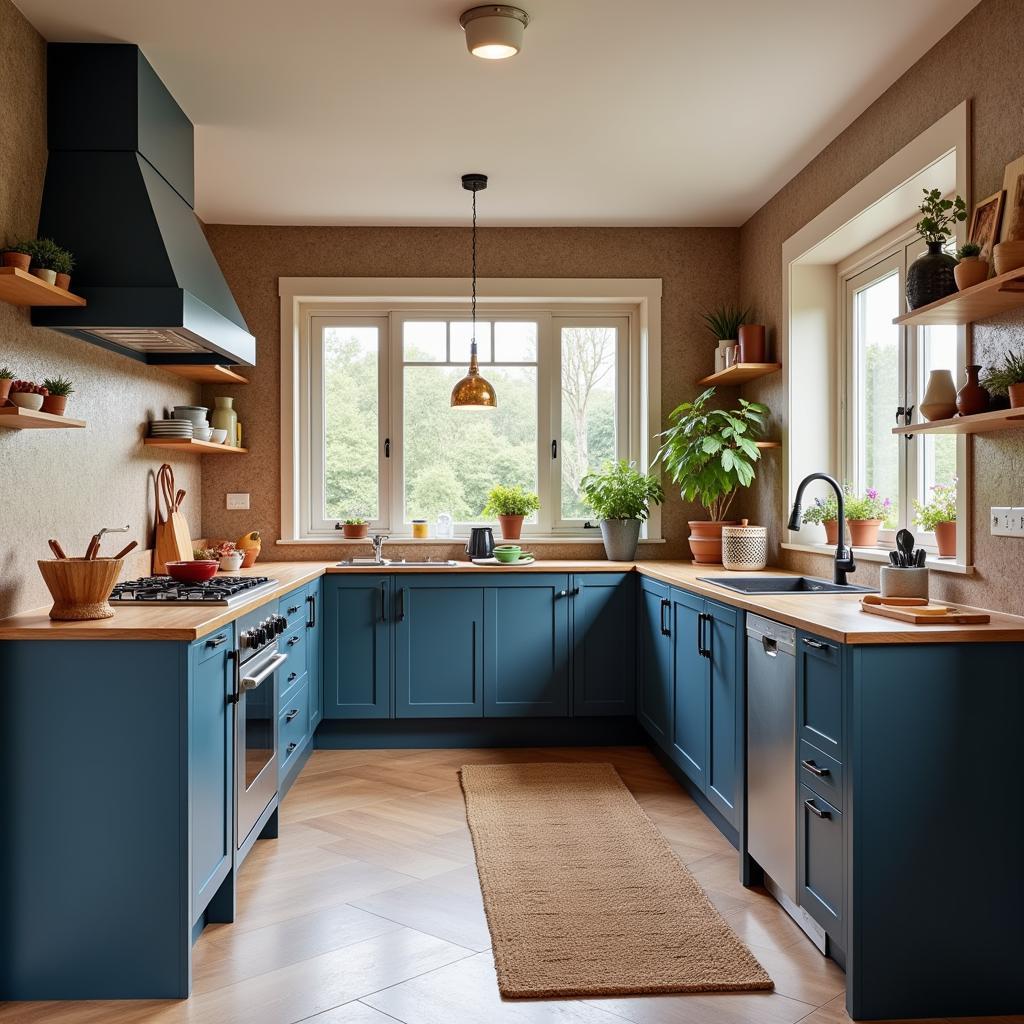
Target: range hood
{"type": "Point", "coordinates": [118, 193]}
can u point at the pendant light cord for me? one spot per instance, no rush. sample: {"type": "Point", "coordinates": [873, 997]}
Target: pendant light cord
{"type": "Point", "coordinates": [473, 338]}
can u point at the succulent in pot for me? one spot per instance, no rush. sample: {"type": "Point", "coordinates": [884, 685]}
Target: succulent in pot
{"type": "Point", "coordinates": [1008, 379]}
{"type": "Point", "coordinates": [354, 528]}
{"type": "Point", "coordinates": [59, 389]}
{"type": "Point", "coordinates": [970, 269]}
{"type": "Point", "coordinates": [511, 506]}
{"type": "Point", "coordinates": [18, 255]}
{"type": "Point", "coordinates": [621, 497]}
{"type": "Point", "coordinates": [930, 277]}
{"type": "Point", "coordinates": [27, 395]}
{"type": "Point", "coordinates": [6, 380]}
{"type": "Point", "coordinates": [710, 454]}
{"type": "Point", "coordinates": [724, 325]}
{"type": "Point", "coordinates": [938, 515]}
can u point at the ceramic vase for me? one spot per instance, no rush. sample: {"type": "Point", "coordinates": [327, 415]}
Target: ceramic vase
{"type": "Point", "coordinates": [939, 402]}
{"type": "Point", "coordinates": [224, 417]}
{"type": "Point", "coordinates": [972, 398]}
{"type": "Point", "coordinates": [930, 277]}
{"type": "Point", "coordinates": [752, 344]}
{"type": "Point", "coordinates": [971, 270]}
{"type": "Point", "coordinates": [720, 360]}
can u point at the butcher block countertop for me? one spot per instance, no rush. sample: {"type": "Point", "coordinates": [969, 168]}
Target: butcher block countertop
{"type": "Point", "coordinates": [835, 616]}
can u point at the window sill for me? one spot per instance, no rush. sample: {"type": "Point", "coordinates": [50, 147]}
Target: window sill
{"type": "Point", "coordinates": [395, 538]}
{"type": "Point", "coordinates": [933, 562]}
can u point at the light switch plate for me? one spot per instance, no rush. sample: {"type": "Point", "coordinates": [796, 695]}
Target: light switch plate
{"type": "Point", "coordinates": [999, 522]}
{"type": "Point", "coordinates": [1017, 522]}
{"type": "Point", "coordinates": [238, 501]}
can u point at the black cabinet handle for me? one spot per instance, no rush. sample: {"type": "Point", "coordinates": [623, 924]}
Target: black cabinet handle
{"type": "Point", "coordinates": [292, 676]}
{"type": "Point", "coordinates": [666, 630]}
{"type": "Point", "coordinates": [562, 593]}
{"type": "Point", "coordinates": [294, 640]}
{"type": "Point", "coordinates": [816, 644]}
{"type": "Point", "coordinates": [217, 640]}
{"type": "Point", "coordinates": [809, 804]}
{"type": "Point", "coordinates": [704, 652]}
{"type": "Point", "coordinates": [815, 770]}
{"type": "Point", "coordinates": [311, 598]}
{"type": "Point", "coordinates": [294, 608]}
{"type": "Point", "coordinates": [400, 614]}
{"type": "Point", "coordinates": [383, 602]}
{"type": "Point", "coordinates": [291, 714]}
{"type": "Point", "coordinates": [575, 592]}
{"type": "Point", "coordinates": [291, 747]}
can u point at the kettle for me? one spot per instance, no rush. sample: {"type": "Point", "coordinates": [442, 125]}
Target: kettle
{"type": "Point", "coordinates": [481, 542]}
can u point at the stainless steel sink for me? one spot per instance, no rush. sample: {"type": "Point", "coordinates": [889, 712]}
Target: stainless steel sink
{"type": "Point", "coordinates": [784, 585]}
{"type": "Point", "coordinates": [398, 563]}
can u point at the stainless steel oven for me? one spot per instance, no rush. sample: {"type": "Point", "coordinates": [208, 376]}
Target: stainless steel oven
{"type": "Point", "coordinates": [257, 661]}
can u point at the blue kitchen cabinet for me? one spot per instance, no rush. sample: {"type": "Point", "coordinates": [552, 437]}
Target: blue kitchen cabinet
{"type": "Point", "coordinates": [654, 663]}
{"type": "Point", "coordinates": [357, 614]}
{"type": "Point", "coordinates": [314, 652]}
{"type": "Point", "coordinates": [690, 707]}
{"type": "Point", "coordinates": [527, 647]}
{"type": "Point", "coordinates": [819, 689]}
{"type": "Point", "coordinates": [603, 643]}
{"type": "Point", "coordinates": [439, 648]}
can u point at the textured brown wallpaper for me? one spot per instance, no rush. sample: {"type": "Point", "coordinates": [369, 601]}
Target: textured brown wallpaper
{"type": "Point", "coordinates": [698, 267]}
{"type": "Point", "coordinates": [66, 483]}
{"type": "Point", "coordinates": [979, 60]}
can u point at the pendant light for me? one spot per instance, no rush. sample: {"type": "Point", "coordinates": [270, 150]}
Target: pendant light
{"type": "Point", "coordinates": [473, 392]}
{"type": "Point", "coordinates": [494, 31]}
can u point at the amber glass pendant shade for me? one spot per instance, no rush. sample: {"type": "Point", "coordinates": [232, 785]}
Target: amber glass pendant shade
{"type": "Point", "coordinates": [473, 391]}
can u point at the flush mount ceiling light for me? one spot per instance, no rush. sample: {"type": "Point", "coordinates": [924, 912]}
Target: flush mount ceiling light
{"type": "Point", "coordinates": [473, 392]}
{"type": "Point", "coordinates": [494, 31]}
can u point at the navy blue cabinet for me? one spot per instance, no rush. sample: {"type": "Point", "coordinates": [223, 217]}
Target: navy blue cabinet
{"type": "Point", "coordinates": [690, 711]}
{"type": "Point", "coordinates": [654, 662]}
{"type": "Point", "coordinates": [723, 646]}
{"type": "Point", "coordinates": [603, 643]}
{"type": "Point", "coordinates": [357, 646]}
{"type": "Point", "coordinates": [819, 680]}
{"type": "Point", "coordinates": [314, 652]}
{"type": "Point", "coordinates": [439, 645]}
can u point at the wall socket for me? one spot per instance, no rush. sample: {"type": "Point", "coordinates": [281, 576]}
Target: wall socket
{"type": "Point", "coordinates": [1006, 522]}
{"type": "Point", "coordinates": [238, 501]}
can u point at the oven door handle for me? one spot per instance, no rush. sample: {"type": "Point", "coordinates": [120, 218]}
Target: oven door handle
{"type": "Point", "coordinates": [251, 682]}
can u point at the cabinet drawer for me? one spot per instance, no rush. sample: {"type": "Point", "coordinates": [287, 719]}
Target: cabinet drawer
{"type": "Point", "coordinates": [289, 684]}
{"type": "Point", "coordinates": [820, 690]}
{"type": "Point", "coordinates": [293, 725]}
{"type": "Point", "coordinates": [820, 860]}
{"type": "Point", "coordinates": [293, 643]}
{"type": "Point", "coordinates": [218, 642]}
{"type": "Point", "coordinates": [293, 607]}
{"type": "Point", "coordinates": [821, 773]}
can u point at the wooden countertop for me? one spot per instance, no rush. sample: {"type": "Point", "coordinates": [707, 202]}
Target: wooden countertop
{"type": "Point", "coordinates": [836, 616]}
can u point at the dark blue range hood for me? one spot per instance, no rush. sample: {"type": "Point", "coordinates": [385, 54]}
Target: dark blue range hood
{"type": "Point", "coordinates": [119, 192]}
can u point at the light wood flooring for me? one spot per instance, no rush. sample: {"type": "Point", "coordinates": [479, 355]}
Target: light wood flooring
{"type": "Point", "coordinates": [367, 911]}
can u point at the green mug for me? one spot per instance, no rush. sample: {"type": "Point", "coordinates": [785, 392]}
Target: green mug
{"type": "Point", "coordinates": [507, 552]}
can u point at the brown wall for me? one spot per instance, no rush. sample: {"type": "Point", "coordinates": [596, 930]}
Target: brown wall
{"type": "Point", "coordinates": [979, 60]}
{"type": "Point", "coordinates": [698, 267]}
{"type": "Point", "coordinates": [65, 483]}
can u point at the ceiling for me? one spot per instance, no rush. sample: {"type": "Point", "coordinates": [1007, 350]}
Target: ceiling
{"type": "Point", "coordinates": [647, 112]}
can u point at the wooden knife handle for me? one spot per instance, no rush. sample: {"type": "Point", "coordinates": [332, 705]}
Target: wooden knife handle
{"type": "Point", "coordinates": [57, 549]}
{"type": "Point", "coordinates": [128, 547]}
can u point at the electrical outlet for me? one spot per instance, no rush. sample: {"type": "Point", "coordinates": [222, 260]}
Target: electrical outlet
{"type": "Point", "coordinates": [238, 501]}
{"type": "Point", "coordinates": [1017, 522]}
{"type": "Point", "coordinates": [999, 521]}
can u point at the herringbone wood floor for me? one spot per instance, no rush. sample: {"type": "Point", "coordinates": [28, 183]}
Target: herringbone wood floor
{"type": "Point", "coordinates": [367, 911]}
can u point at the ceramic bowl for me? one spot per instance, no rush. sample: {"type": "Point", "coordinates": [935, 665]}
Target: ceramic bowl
{"type": "Point", "coordinates": [232, 562]}
{"type": "Point", "coordinates": [192, 572]}
{"type": "Point", "coordinates": [202, 433]}
{"type": "Point", "coordinates": [508, 552]}
{"type": "Point", "coordinates": [218, 435]}
{"type": "Point", "coordinates": [27, 400]}
{"type": "Point", "coordinates": [195, 413]}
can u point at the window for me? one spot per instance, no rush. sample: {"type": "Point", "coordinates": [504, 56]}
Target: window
{"type": "Point", "coordinates": [383, 442]}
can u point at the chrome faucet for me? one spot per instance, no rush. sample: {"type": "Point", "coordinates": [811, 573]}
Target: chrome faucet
{"type": "Point", "coordinates": [844, 561]}
{"type": "Point", "coordinates": [377, 540]}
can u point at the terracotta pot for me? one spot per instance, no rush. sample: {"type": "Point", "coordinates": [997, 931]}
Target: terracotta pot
{"type": "Point", "coordinates": [752, 344]}
{"type": "Point", "coordinates": [831, 531]}
{"type": "Point", "coordinates": [55, 404]}
{"type": "Point", "coordinates": [1008, 256]}
{"type": "Point", "coordinates": [5, 389]}
{"type": "Point", "coordinates": [63, 281]}
{"type": "Point", "coordinates": [1016, 392]}
{"type": "Point", "coordinates": [49, 276]}
{"type": "Point", "coordinates": [864, 532]}
{"type": "Point", "coordinates": [972, 398]}
{"type": "Point", "coordinates": [971, 270]}
{"type": "Point", "coordinates": [511, 527]}
{"type": "Point", "coordinates": [21, 260]}
{"type": "Point", "coordinates": [945, 539]}
{"type": "Point", "coordinates": [706, 540]}
{"type": "Point", "coordinates": [354, 531]}
{"type": "Point", "coordinates": [249, 556]}
{"type": "Point", "coordinates": [939, 402]}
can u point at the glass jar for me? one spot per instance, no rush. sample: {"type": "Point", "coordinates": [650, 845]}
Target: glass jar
{"type": "Point", "coordinates": [419, 529]}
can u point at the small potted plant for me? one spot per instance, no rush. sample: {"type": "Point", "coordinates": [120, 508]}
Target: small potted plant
{"type": "Point", "coordinates": [48, 258]}
{"type": "Point", "coordinates": [229, 556]}
{"type": "Point", "coordinates": [56, 400]}
{"type": "Point", "coordinates": [27, 395]}
{"type": "Point", "coordinates": [18, 255]}
{"type": "Point", "coordinates": [865, 515]}
{"type": "Point", "coordinates": [724, 325]}
{"type": "Point", "coordinates": [354, 528]}
{"type": "Point", "coordinates": [938, 515]}
{"type": "Point", "coordinates": [710, 453]}
{"type": "Point", "coordinates": [970, 268]}
{"type": "Point", "coordinates": [63, 263]}
{"type": "Point", "coordinates": [1008, 379]}
{"type": "Point", "coordinates": [621, 497]}
{"type": "Point", "coordinates": [930, 277]}
{"type": "Point", "coordinates": [6, 380]}
{"type": "Point", "coordinates": [825, 511]}
{"type": "Point", "coordinates": [511, 505]}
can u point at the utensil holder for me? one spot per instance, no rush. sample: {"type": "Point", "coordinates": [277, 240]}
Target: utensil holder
{"type": "Point", "coordinates": [899, 582]}
{"type": "Point", "coordinates": [80, 588]}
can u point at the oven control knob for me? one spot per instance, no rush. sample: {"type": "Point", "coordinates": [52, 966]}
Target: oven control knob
{"type": "Point", "coordinates": [243, 639]}
{"type": "Point", "coordinates": [259, 636]}
{"type": "Point", "coordinates": [280, 624]}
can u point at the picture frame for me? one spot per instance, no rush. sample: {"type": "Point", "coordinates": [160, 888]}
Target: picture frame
{"type": "Point", "coordinates": [1013, 209]}
{"type": "Point", "coordinates": [985, 223]}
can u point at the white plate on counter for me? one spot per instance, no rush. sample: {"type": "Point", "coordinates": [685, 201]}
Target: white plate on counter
{"type": "Point", "coordinates": [489, 562]}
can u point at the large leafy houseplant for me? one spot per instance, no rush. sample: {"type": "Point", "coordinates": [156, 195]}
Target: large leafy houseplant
{"type": "Point", "coordinates": [621, 497]}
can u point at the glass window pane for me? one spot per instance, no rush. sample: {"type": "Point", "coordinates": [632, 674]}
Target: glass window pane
{"type": "Point", "coordinates": [588, 409]}
{"type": "Point", "coordinates": [877, 346]}
{"type": "Point", "coordinates": [351, 422]}
{"type": "Point", "coordinates": [515, 342]}
{"type": "Point", "coordinates": [425, 341]}
{"type": "Point", "coordinates": [937, 451]}
{"type": "Point", "coordinates": [453, 457]}
{"type": "Point", "coordinates": [462, 334]}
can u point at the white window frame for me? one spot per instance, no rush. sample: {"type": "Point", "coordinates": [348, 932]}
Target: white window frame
{"type": "Point", "coordinates": [636, 302]}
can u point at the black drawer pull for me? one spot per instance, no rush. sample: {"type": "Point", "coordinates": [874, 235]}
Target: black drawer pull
{"type": "Point", "coordinates": [293, 641]}
{"type": "Point", "coordinates": [217, 640]}
{"type": "Point", "coordinates": [292, 676]}
{"type": "Point", "coordinates": [294, 608]}
{"type": "Point", "coordinates": [291, 747]}
{"type": "Point", "coordinates": [809, 804]}
{"type": "Point", "coordinates": [816, 644]}
{"type": "Point", "coordinates": [815, 770]}
{"type": "Point", "coordinates": [291, 714]}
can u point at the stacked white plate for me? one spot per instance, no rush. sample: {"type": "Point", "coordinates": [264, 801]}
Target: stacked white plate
{"type": "Point", "coordinates": [170, 429]}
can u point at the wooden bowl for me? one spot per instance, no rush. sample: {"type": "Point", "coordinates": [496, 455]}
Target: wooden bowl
{"type": "Point", "coordinates": [80, 588]}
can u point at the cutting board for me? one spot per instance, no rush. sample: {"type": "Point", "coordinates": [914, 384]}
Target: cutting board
{"type": "Point", "coordinates": [172, 541]}
{"type": "Point", "coordinates": [954, 615]}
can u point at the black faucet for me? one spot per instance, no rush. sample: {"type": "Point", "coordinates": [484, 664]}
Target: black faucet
{"type": "Point", "coordinates": [844, 561]}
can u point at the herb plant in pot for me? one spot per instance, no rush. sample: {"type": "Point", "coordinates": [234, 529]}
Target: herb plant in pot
{"type": "Point", "coordinates": [57, 400]}
{"type": "Point", "coordinates": [865, 515]}
{"type": "Point", "coordinates": [49, 260]}
{"type": "Point", "coordinates": [6, 380]}
{"type": "Point", "coordinates": [1008, 379]}
{"type": "Point", "coordinates": [930, 277]}
{"type": "Point", "coordinates": [511, 505]}
{"type": "Point", "coordinates": [724, 325]}
{"type": "Point", "coordinates": [621, 498]}
{"type": "Point", "coordinates": [825, 511]}
{"type": "Point", "coordinates": [354, 528]}
{"type": "Point", "coordinates": [18, 255]}
{"type": "Point", "coordinates": [710, 453]}
{"type": "Point", "coordinates": [938, 515]}
{"type": "Point", "coordinates": [970, 268]}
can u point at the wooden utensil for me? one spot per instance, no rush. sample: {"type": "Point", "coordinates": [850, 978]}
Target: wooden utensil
{"type": "Point", "coordinates": [173, 543]}
{"type": "Point", "coordinates": [94, 545]}
{"type": "Point", "coordinates": [927, 615]}
{"type": "Point", "coordinates": [57, 550]}
{"type": "Point", "coordinates": [895, 601]}
{"type": "Point", "coordinates": [129, 547]}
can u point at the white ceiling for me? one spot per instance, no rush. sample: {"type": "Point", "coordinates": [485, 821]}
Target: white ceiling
{"type": "Point", "coordinates": [617, 112]}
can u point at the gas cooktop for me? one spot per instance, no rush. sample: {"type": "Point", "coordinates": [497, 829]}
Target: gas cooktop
{"type": "Point", "coordinates": [223, 590]}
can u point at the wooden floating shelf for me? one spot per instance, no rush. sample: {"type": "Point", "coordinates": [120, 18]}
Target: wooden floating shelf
{"type": "Point", "coordinates": [990, 298]}
{"type": "Point", "coordinates": [740, 373]}
{"type": "Point", "coordinates": [980, 423]}
{"type": "Point", "coordinates": [207, 374]}
{"type": "Point", "coordinates": [20, 288]}
{"type": "Point", "coordinates": [27, 419]}
{"type": "Point", "coordinates": [768, 444]}
{"type": "Point", "coordinates": [191, 444]}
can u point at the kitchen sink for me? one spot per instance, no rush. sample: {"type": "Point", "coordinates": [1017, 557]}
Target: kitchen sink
{"type": "Point", "coordinates": [398, 563]}
{"type": "Point", "coordinates": [784, 585]}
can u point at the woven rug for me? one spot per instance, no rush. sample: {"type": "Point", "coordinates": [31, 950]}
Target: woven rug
{"type": "Point", "coordinates": [584, 897]}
